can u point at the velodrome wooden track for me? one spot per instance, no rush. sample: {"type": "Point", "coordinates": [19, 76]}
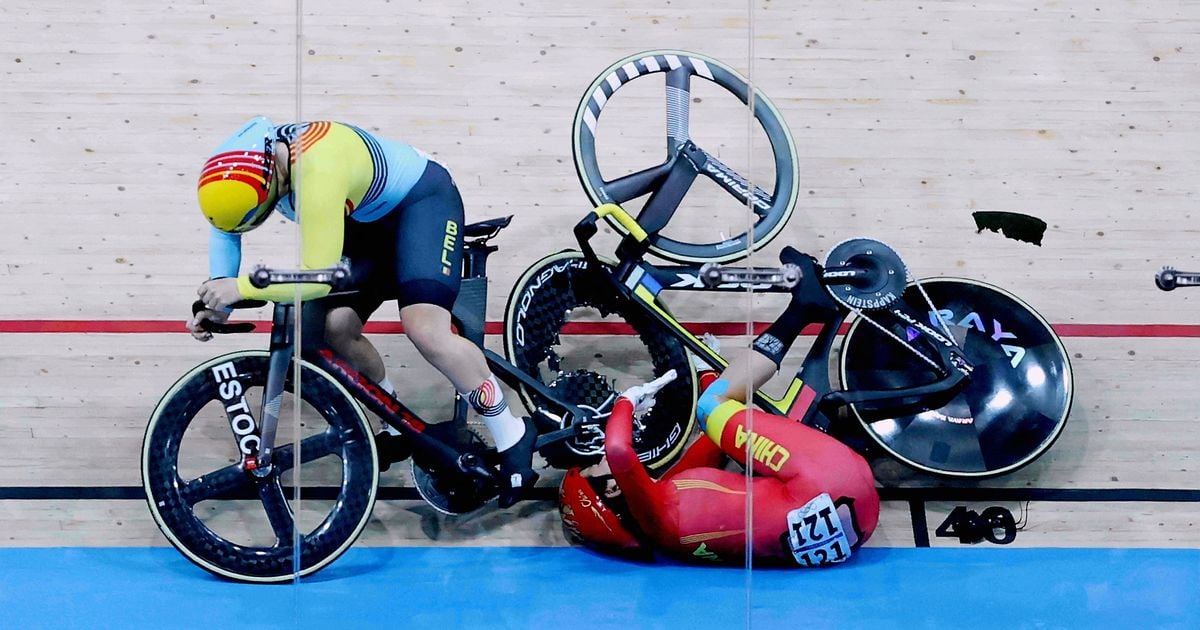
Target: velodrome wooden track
{"type": "Point", "coordinates": [907, 117]}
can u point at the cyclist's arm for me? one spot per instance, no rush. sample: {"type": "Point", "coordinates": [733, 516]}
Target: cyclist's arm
{"type": "Point", "coordinates": [703, 453]}
{"type": "Point", "coordinates": [224, 253]}
{"type": "Point", "coordinates": [321, 196]}
{"type": "Point", "coordinates": [639, 489]}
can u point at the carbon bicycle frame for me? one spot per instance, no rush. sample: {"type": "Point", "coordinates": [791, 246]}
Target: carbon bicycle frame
{"type": "Point", "coordinates": [810, 397]}
{"type": "Point", "coordinates": [468, 316]}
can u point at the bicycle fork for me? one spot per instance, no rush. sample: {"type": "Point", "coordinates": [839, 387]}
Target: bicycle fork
{"type": "Point", "coordinates": [258, 460]}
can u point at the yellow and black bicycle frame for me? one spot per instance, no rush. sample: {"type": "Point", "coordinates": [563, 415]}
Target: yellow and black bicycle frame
{"type": "Point", "coordinates": [640, 282]}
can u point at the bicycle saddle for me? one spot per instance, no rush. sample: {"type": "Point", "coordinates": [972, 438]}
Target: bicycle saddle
{"type": "Point", "coordinates": [486, 227]}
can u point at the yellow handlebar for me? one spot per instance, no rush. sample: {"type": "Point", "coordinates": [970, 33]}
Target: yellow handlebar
{"type": "Point", "coordinates": [628, 222]}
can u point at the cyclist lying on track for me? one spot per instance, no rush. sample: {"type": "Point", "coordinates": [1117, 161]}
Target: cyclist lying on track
{"type": "Point", "coordinates": [397, 215]}
{"type": "Point", "coordinates": [814, 499]}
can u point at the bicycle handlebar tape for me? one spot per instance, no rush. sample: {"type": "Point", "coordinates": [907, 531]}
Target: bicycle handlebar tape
{"type": "Point", "coordinates": [624, 218]}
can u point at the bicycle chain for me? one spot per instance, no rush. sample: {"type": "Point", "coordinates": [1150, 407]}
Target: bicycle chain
{"type": "Point", "coordinates": [860, 313]}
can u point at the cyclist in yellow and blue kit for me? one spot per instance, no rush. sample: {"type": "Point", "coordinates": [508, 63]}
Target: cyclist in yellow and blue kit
{"type": "Point", "coordinates": [395, 213]}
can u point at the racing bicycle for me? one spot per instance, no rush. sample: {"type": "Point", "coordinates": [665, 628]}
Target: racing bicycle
{"type": "Point", "coordinates": [950, 376]}
{"type": "Point", "coordinates": [222, 472]}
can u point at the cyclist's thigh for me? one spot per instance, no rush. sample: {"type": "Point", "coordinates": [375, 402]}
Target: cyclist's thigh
{"type": "Point", "coordinates": [784, 448]}
{"type": "Point", "coordinates": [429, 241]}
{"type": "Point", "coordinates": [370, 248]}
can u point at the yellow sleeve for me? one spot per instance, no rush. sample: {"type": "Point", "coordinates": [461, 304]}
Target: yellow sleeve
{"type": "Point", "coordinates": [321, 180]}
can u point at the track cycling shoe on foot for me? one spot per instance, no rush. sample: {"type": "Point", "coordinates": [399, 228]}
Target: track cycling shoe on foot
{"type": "Point", "coordinates": [392, 449]}
{"type": "Point", "coordinates": [516, 467]}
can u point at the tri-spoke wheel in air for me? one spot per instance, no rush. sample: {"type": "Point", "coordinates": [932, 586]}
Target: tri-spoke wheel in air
{"type": "Point", "coordinates": [669, 181]}
{"type": "Point", "coordinates": [244, 526]}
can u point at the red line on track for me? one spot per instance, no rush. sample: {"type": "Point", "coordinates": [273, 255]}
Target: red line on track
{"type": "Point", "coordinates": [125, 326]}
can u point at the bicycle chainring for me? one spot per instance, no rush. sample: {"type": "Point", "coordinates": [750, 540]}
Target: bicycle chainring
{"type": "Point", "coordinates": [593, 393]}
{"type": "Point", "coordinates": [885, 283]}
{"type": "Point", "coordinates": [452, 493]}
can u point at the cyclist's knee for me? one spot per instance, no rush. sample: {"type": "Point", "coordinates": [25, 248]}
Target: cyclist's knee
{"type": "Point", "coordinates": [342, 326]}
{"type": "Point", "coordinates": [709, 400]}
{"type": "Point", "coordinates": [428, 326]}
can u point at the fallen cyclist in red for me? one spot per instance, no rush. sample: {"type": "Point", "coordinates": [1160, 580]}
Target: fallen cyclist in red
{"type": "Point", "coordinates": [813, 498]}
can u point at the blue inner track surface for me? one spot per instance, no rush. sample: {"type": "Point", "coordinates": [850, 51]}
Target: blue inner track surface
{"type": "Point", "coordinates": [506, 587]}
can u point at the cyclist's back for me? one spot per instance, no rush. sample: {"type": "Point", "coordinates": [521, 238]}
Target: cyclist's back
{"type": "Point", "coordinates": [345, 172]}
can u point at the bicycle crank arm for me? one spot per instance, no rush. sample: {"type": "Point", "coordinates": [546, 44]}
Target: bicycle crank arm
{"type": "Point", "coordinates": [893, 401]}
{"type": "Point", "coordinates": [471, 465]}
{"type": "Point", "coordinates": [714, 275]}
{"type": "Point", "coordinates": [553, 437]}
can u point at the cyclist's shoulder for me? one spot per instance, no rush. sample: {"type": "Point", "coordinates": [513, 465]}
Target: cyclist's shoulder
{"type": "Point", "coordinates": [310, 132]}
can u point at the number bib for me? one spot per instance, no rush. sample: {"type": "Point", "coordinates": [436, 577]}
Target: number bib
{"type": "Point", "coordinates": [815, 533]}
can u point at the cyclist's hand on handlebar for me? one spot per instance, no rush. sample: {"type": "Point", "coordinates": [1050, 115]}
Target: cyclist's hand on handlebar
{"type": "Point", "coordinates": [219, 293]}
{"type": "Point", "coordinates": [810, 291]}
{"type": "Point", "coordinates": [194, 325]}
{"type": "Point", "coordinates": [642, 396]}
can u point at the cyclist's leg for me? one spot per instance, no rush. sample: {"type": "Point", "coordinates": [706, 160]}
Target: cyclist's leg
{"type": "Point", "coordinates": [703, 453]}
{"type": "Point", "coordinates": [428, 273]}
{"type": "Point", "coordinates": [810, 303]}
{"type": "Point", "coordinates": [744, 374]}
{"type": "Point", "coordinates": [369, 253]}
{"type": "Point", "coordinates": [344, 333]}
{"type": "Point", "coordinates": [428, 258]}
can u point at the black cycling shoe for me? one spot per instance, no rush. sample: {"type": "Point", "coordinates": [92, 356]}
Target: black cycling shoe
{"type": "Point", "coordinates": [516, 467]}
{"type": "Point", "coordinates": [392, 449]}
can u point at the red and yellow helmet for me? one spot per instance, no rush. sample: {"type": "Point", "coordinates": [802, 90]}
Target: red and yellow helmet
{"type": "Point", "coordinates": [237, 187]}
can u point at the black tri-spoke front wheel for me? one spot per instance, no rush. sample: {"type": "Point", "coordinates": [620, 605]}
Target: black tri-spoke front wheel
{"type": "Point", "coordinates": [243, 526]}
{"type": "Point", "coordinates": [699, 118]}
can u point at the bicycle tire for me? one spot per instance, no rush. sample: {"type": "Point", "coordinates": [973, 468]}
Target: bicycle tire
{"type": "Point", "coordinates": [1014, 407]}
{"type": "Point", "coordinates": [537, 312]}
{"type": "Point", "coordinates": [173, 499]}
{"type": "Point", "coordinates": [783, 148]}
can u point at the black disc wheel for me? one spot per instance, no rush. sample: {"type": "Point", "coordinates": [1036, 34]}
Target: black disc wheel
{"type": "Point", "coordinates": [564, 327]}
{"type": "Point", "coordinates": [1014, 406]}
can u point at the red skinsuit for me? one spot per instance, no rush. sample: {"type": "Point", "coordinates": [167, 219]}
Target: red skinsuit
{"type": "Point", "coordinates": [698, 511]}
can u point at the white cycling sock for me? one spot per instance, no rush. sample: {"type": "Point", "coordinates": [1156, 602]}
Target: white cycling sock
{"type": "Point", "coordinates": [488, 400]}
